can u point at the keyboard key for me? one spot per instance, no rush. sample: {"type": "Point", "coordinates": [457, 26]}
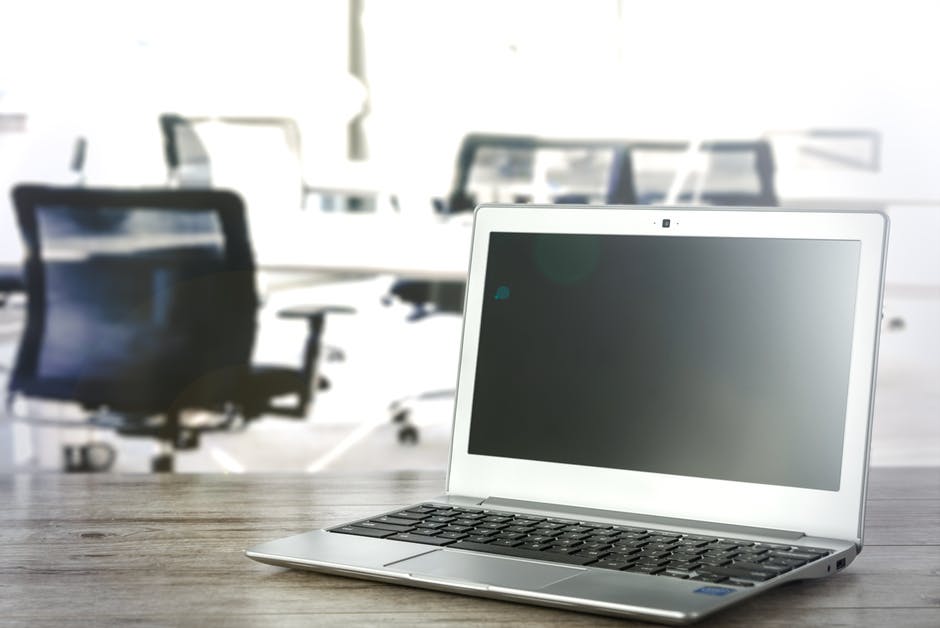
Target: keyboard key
{"type": "Point", "coordinates": [383, 526]}
{"type": "Point", "coordinates": [407, 514]}
{"type": "Point", "coordinates": [693, 542]}
{"type": "Point", "coordinates": [358, 531]}
{"type": "Point", "coordinates": [783, 562]}
{"type": "Point", "coordinates": [464, 522]}
{"type": "Point", "coordinates": [650, 569]}
{"type": "Point", "coordinates": [453, 535]}
{"type": "Point", "coordinates": [715, 562]}
{"type": "Point", "coordinates": [714, 555]}
{"type": "Point", "coordinates": [668, 536]}
{"type": "Point", "coordinates": [739, 583]}
{"type": "Point", "coordinates": [480, 539]}
{"type": "Point", "coordinates": [538, 547]}
{"type": "Point", "coordinates": [567, 542]}
{"type": "Point", "coordinates": [430, 524]}
{"type": "Point", "coordinates": [647, 560]}
{"type": "Point", "coordinates": [707, 577]}
{"type": "Point", "coordinates": [795, 555]}
{"type": "Point", "coordinates": [653, 554]}
{"type": "Point", "coordinates": [616, 565]}
{"type": "Point", "coordinates": [675, 573]}
{"type": "Point", "coordinates": [465, 510]}
{"type": "Point", "coordinates": [573, 536]}
{"type": "Point", "coordinates": [510, 536]}
{"type": "Point", "coordinates": [520, 552]}
{"type": "Point", "coordinates": [562, 549]}
{"type": "Point", "coordinates": [680, 564]}
{"type": "Point", "coordinates": [520, 529]}
{"type": "Point", "coordinates": [769, 546]}
{"type": "Point", "coordinates": [421, 510]}
{"type": "Point", "coordinates": [754, 575]}
{"type": "Point", "coordinates": [532, 518]}
{"type": "Point", "coordinates": [426, 531]}
{"type": "Point", "coordinates": [575, 529]}
{"type": "Point", "coordinates": [421, 538]}
{"type": "Point", "coordinates": [394, 520]}
{"type": "Point", "coordinates": [506, 542]}
{"type": "Point", "coordinates": [629, 529]}
{"type": "Point", "coordinates": [760, 566]}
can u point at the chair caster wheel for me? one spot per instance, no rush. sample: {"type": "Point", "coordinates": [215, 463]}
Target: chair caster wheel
{"type": "Point", "coordinates": [162, 463]}
{"type": "Point", "coordinates": [408, 435]}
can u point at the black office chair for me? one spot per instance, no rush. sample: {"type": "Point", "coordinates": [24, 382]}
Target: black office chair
{"type": "Point", "coordinates": [738, 173]}
{"type": "Point", "coordinates": [502, 168]}
{"type": "Point", "coordinates": [142, 306]}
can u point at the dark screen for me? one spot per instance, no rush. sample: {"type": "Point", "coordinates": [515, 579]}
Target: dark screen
{"type": "Point", "coordinates": [722, 358]}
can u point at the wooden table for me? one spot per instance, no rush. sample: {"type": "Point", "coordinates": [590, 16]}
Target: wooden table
{"type": "Point", "coordinates": [103, 550]}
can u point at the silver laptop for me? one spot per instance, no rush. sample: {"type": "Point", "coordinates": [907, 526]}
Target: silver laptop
{"type": "Point", "coordinates": [660, 412]}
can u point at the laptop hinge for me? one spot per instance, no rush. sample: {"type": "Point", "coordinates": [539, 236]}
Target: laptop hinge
{"type": "Point", "coordinates": [628, 518]}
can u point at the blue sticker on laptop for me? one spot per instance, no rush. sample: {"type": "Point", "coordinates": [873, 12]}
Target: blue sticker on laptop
{"type": "Point", "coordinates": [714, 590]}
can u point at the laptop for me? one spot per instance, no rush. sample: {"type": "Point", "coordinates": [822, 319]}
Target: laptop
{"type": "Point", "coordinates": [660, 412]}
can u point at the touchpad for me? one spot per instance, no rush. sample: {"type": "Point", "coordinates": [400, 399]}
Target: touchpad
{"type": "Point", "coordinates": [492, 570]}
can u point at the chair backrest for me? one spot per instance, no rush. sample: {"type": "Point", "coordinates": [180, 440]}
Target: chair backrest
{"type": "Point", "coordinates": [187, 160]}
{"type": "Point", "coordinates": [525, 169]}
{"type": "Point", "coordinates": [139, 300]}
{"type": "Point", "coordinates": [720, 172]}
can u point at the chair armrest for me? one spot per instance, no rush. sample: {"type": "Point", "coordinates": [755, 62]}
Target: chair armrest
{"type": "Point", "coordinates": [312, 311]}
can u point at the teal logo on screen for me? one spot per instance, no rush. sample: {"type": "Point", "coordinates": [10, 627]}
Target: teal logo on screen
{"type": "Point", "coordinates": [502, 293]}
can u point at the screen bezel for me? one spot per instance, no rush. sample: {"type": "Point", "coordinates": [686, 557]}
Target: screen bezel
{"type": "Point", "coordinates": [836, 514]}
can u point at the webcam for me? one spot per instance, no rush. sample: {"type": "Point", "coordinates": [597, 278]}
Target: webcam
{"type": "Point", "coordinates": [666, 223]}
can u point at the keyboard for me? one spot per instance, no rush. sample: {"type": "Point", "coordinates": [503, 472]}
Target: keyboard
{"type": "Point", "coordinates": [602, 545]}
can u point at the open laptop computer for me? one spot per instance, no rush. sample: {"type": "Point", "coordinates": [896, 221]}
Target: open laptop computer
{"type": "Point", "coordinates": [660, 412]}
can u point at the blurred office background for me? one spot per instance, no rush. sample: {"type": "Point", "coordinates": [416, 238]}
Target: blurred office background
{"type": "Point", "coordinates": [340, 123]}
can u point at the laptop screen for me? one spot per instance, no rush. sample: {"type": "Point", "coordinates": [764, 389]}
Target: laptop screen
{"type": "Point", "coordinates": [712, 357]}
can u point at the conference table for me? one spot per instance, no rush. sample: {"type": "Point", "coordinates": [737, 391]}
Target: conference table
{"type": "Point", "coordinates": [420, 247]}
{"type": "Point", "coordinates": [162, 549]}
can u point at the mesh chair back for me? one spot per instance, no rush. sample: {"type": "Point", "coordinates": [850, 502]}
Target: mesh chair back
{"type": "Point", "coordinates": [137, 299]}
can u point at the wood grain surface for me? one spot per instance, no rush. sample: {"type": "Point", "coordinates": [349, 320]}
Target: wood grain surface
{"type": "Point", "coordinates": [120, 550]}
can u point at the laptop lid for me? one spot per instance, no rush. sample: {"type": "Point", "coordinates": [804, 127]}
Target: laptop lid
{"type": "Point", "coordinates": [697, 363]}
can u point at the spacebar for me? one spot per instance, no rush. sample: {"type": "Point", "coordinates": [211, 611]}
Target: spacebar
{"type": "Point", "coordinates": [522, 553]}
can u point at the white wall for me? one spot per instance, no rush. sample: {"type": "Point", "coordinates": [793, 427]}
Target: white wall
{"type": "Point", "coordinates": [659, 68]}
